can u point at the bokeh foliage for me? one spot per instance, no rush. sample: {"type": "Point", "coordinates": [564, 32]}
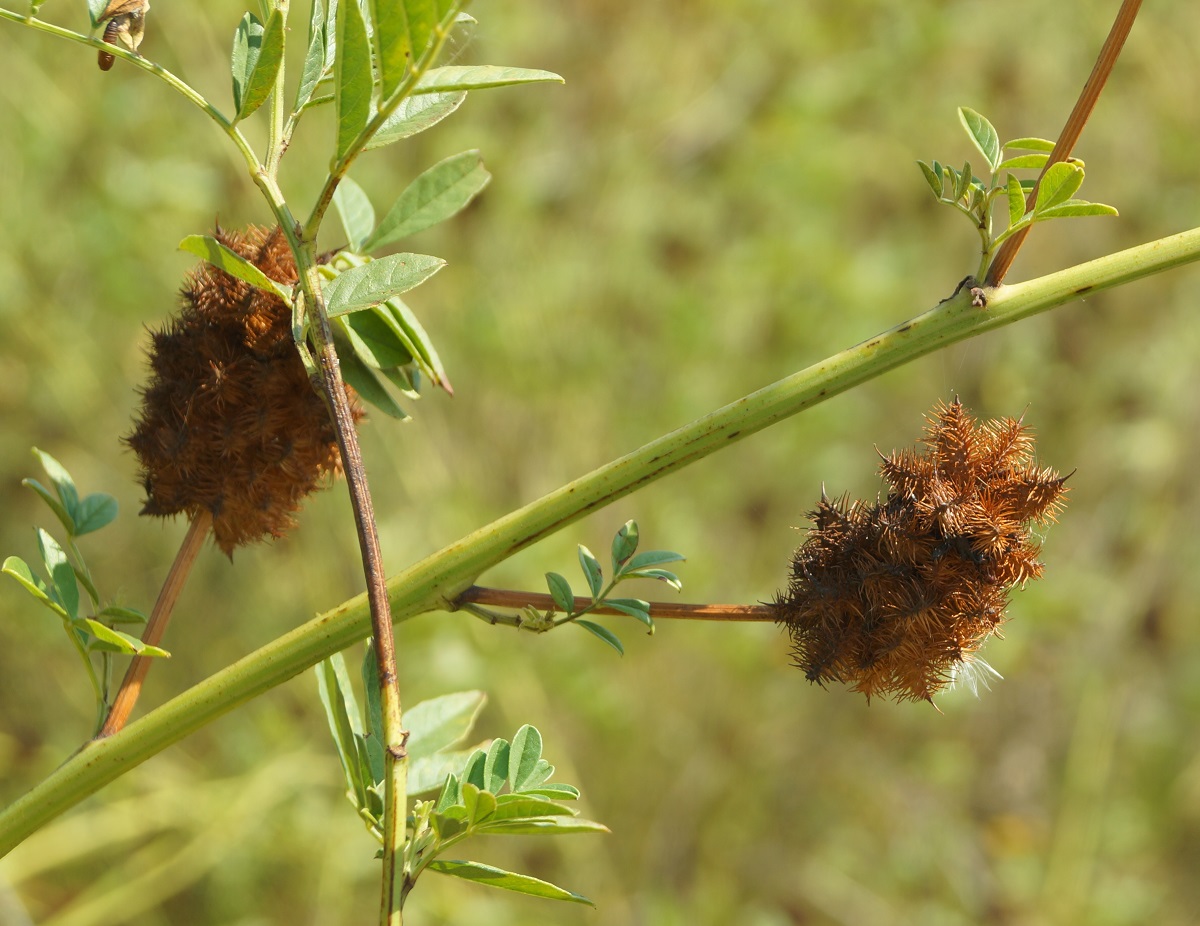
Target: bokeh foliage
{"type": "Point", "coordinates": [722, 193]}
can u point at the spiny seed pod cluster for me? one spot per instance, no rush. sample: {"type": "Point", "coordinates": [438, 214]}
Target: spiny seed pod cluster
{"type": "Point", "coordinates": [894, 598]}
{"type": "Point", "coordinates": [230, 423]}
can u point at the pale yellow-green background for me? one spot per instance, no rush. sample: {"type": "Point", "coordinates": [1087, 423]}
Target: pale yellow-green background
{"type": "Point", "coordinates": [722, 193]}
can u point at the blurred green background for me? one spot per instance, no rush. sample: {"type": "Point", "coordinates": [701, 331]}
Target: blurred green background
{"type": "Point", "coordinates": [723, 192]}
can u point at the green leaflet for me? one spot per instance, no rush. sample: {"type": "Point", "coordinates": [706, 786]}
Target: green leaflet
{"type": "Point", "coordinates": [481, 77]}
{"type": "Point", "coordinates": [436, 195]}
{"type": "Point", "coordinates": [234, 264]}
{"type": "Point", "coordinates": [355, 210]}
{"type": "Point", "coordinates": [983, 134]}
{"type": "Point", "coordinates": [416, 114]}
{"type": "Point", "coordinates": [1057, 185]}
{"type": "Point", "coordinates": [378, 281]}
{"type": "Point", "coordinates": [353, 82]}
{"type": "Point", "coordinates": [393, 48]}
{"type": "Point", "coordinates": [603, 633]}
{"type": "Point", "coordinates": [257, 55]}
{"type": "Point", "coordinates": [314, 58]}
{"type": "Point", "coordinates": [440, 722]}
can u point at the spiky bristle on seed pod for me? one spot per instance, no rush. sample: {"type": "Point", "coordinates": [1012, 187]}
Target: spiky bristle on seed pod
{"type": "Point", "coordinates": [894, 598]}
{"type": "Point", "coordinates": [229, 421]}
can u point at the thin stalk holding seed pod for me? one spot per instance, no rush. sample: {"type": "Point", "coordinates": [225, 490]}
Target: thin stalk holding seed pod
{"type": "Point", "coordinates": [506, 598]}
{"type": "Point", "coordinates": [131, 685]}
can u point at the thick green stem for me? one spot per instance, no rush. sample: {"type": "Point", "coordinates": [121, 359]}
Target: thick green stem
{"type": "Point", "coordinates": [434, 583]}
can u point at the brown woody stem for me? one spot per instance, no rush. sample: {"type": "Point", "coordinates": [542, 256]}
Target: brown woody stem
{"type": "Point", "coordinates": [1072, 130]}
{"type": "Point", "coordinates": [156, 626]}
{"type": "Point", "coordinates": [506, 598]}
{"type": "Point", "coordinates": [395, 755]}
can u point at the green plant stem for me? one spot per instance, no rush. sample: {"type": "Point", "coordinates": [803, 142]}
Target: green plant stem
{"type": "Point", "coordinates": [179, 86]}
{"type": "Point", "coordinates": [99, 690]}
{"type": "Point", "coordinates": [512, 599]}
{"type": "Point", "coordinates": [131, 686]}
{"type": "Point", "coordinates": [276, 140]}
{"type": "Point", "coordinates": [332, 388]}
{"type": "Point", "coordinates": [436, 581]}
{"type": "Point", "coordinates": [104, 677]}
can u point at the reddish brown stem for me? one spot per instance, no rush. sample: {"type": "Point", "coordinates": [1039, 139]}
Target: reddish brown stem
{"type": "Point", "coordinates": [505, 598]}
{"type": "Point", "coordinates": [131, 685]}
{"type": "Point", "coordinates": [1072, 130]}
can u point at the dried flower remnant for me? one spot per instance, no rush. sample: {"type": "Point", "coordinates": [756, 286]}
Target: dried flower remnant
{"type": "Point", "coordinates": [229, 421]}
{"type": "Point", "coordinates": [894, 598]}
{"type": "Point", "coordinates": [125, 23]}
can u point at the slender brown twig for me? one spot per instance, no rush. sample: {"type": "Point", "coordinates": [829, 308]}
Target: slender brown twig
{"type": "Point", "coordinates": [156, 626]}
{"type": "Point", "coordinates": [1072, 130]}
{"type": "Point", "coordinates": [506, 598]}
{"type": "Point", "coordinates": [332, 388]}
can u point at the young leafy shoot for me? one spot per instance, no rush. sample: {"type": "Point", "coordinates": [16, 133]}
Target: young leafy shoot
{"type": "Point", "coordinates": [627, 563]}
{"type": "Point", "coordinates": [975, 198]}
{"type": "Point", "coordinates": [434, 727]}
{"type": "Point", "coordinates": [88, 622]}
{"type": "Point", "coordinates": [503, 790]}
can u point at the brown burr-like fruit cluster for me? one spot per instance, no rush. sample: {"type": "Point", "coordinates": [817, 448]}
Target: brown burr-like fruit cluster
{"type": "Point", "coordinates": [894, 598]}
{"type": "Point", "coordinates": [230, 423]}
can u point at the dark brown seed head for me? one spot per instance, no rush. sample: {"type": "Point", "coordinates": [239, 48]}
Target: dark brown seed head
{"type": "Point", "coordinates": [895, 598]}
{"type": "Point", "coordinates": [229, 421]}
